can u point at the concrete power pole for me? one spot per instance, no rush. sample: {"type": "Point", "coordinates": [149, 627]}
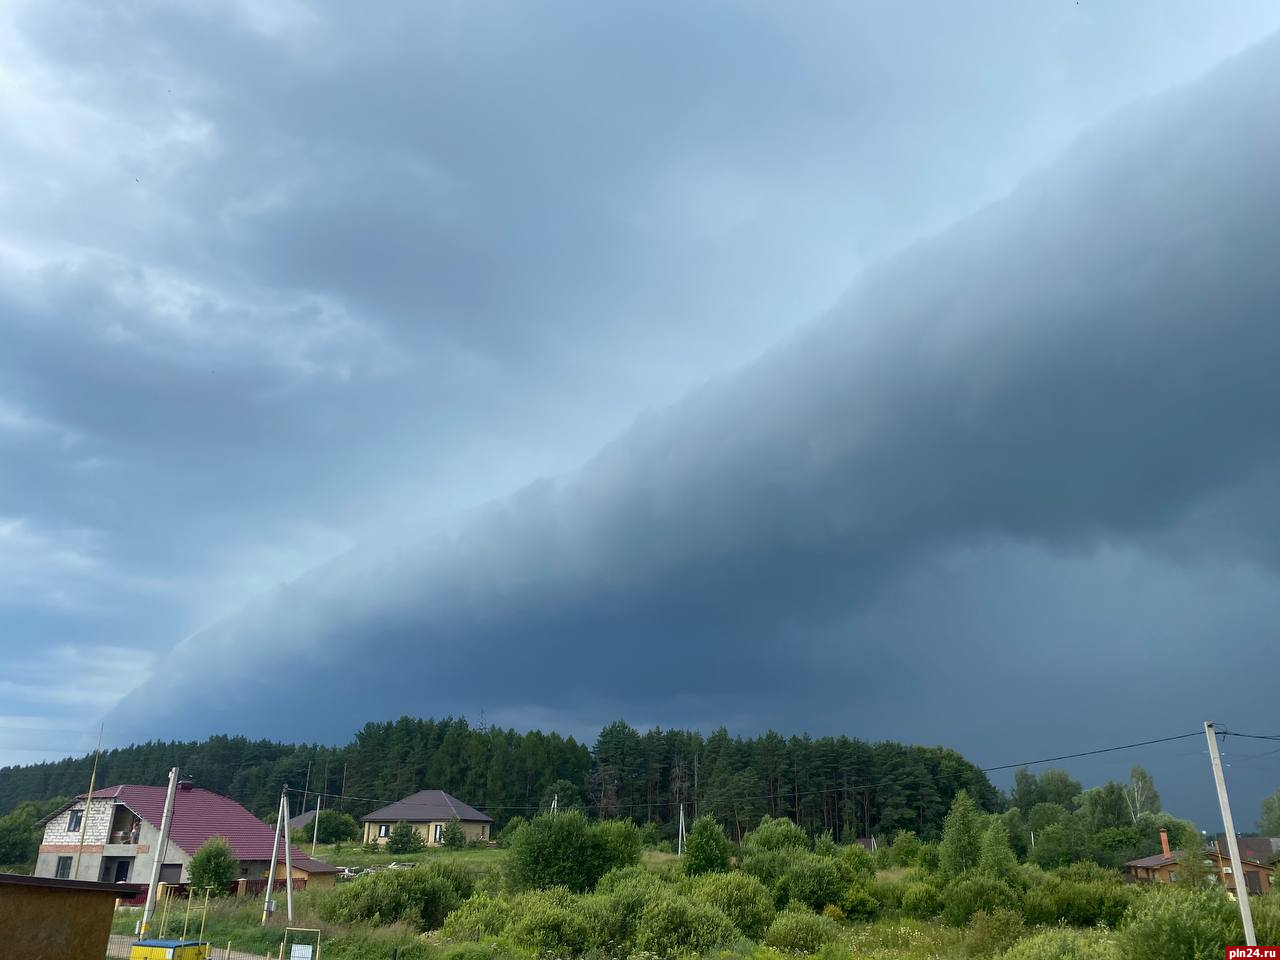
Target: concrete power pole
{"type": "Point", "coordinates": [161, 848]}
{"type": "Point", "coordinates": [1242, 890]}
{"type": "Point", "coordinates": [288, 860]}
{"type": "Point", "coordinates": [275, 851]}
{"type": "Point", "coordinates": [680, 834]}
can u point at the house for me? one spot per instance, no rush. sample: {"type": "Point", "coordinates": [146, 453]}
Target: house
{"type": "Point", "coordinates": [301, 820]}
{"type": "Point", "coordinates": [120, 841]}
{"type": "Point", "coordinates": [67, 919]}
{"type": "Point", "coordinates": [427, 811]}
{"type": "Point", "coordinates": [1252, 847]}
{"type": "Point", "coordinates": [1163, 868]}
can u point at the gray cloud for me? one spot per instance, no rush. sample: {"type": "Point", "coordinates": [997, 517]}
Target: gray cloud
{"type": "Point", "coordinates": [967, 504]}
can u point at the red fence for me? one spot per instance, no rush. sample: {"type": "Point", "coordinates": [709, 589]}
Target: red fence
{"type": "Point", "coordinates": [259, 886]}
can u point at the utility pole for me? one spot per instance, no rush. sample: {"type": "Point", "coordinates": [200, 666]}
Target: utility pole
{"type": "Point", "coordinates": [680, 834]}
{"type": "Point", "coordinates": [315, 830]}
{"type": "Point", "coordinates": [275, 850]}
{"type": "Point", "coordinates": [555, 802]}
{"type": "Point", "coordinates": [1242, 890]}
{"type": "Point", "coordinates": [161, 848]}
{"type": "Point", "coordinates": [88, 805]}
{"type": "Point", "coordinates": [288, 863]}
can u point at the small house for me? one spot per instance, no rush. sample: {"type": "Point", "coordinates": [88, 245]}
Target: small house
{"type": "Point", "coordinates": [427, 811]}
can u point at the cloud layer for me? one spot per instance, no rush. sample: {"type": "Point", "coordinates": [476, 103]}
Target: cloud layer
{"type": "Point", "coordinates": [1014, 492]}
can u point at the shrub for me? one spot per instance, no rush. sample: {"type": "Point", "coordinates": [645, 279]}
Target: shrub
{"type": "Point", "coordinates": [996, 857]}
{"type": "Point", "coordinates": [214, 865]}
{"type": "Point", "coordinates": [560, 849]}
{"type": "Point", "coordinates": [832, 912]}
{"type": "Point", "coordinates": [812, 880]}
{"type": "Point", "coordinates": [740, 897]}
{"type": "Point", "coordinates": [888, 892]}
{"type": "Point", "coordinates": [1178, 923]}
{"type": "Point", "coordinates": [858, 862]}
{"type": "Point", "coordinates": [859, 903]}
{"type": "Point", "coordinates": [1065, 945]}
{"type": "Point", "coordinates": [624, 876]}
{"type": "Point", "coordinates": [883, 858]}
{"type": "Point", "coordinates": [509, 830]}
{"type": "Point", "coordinates": [548, 922]}
{"type": "Point", "coordinates": [1060, 899]}
{"type": "Point", "coordinates": [776, 834]}
{"type": "Point", "coordinates": [767, 866]}
{"type": "Point", "coordinates": [671, 925]}
{"type": "Point", "coordinates": [824, 845]}
{"type": "Point", "coordinates": [404, 839]}
{"type": "Point", "coordinates": [335, 827]}
{"type": "Point", "coordinates": [799, 931]}
{"type": "Point", "coordinates": [921, 900]}
{"type": "Point", "coordinates": [622, 842]}
{"type": "Point", "coordinates": [906, 848]}
{"type": "Point", "coordinates": [964, 897]}
{"type": "Point", "coordinates": [421, 897]}
{"type": "Point", "coordinates": [993, 933]}
{"type": "Point", "coordinates": [480, 916]}
{"type": "Point", "coordinates": [453, 836]}
{"type": "Point", "coordinates": [707, 849]}
{"type": "Point", "coordinates": [929, 858]}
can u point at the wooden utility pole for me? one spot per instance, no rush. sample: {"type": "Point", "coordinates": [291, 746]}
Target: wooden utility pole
{"type": "Point", "coordinates": [88, 805]}
{"type": "Point", "coordinates": [1242, 889]}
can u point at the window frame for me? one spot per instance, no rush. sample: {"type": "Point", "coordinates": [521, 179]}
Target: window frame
{"type": "Point", "coordinates": [75, 819]}
{"type": "Point", "coordinates": [59, 873]}
{"type": "Point", "coordinates": [384, 830]}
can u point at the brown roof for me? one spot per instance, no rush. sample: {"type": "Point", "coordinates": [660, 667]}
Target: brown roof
{"type": "Point", "coordinates": [78, 886]}
{"type": "Point", "coordinates": [1160, 860]}
{"type": "Point", "coordinates": [428, 805]}
{"type": "Point", "coordinates": [200, 814]}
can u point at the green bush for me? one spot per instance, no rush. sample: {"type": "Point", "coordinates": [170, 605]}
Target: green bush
{"type": "Point", "coordinates": [622, 842]}
{"type": "Point", "coordinates": [453, 836]}
{"type": "Point", "coordinates": [964, 897]}
{"type": "Point", "coordinates": [421, 897]}
{"type": "Point", "coordinates": [929, 857]}
{"type": "Point", "coordinates": [798, 931]}
{"type": "Point", "coordinates": [671, 925]}
{"type": "Point", "coordinates": [478, 917]}
{"type": "Point", "coordinates": [509, 830]}
{"type": "Point", "coordinates": [334, 827]}
{"type": "Point", "coordinates": [859, 903]}
{"type": "Point", "coordinates": [561, 849]}
{"type": "Point", "coordinates": [776, 834]}
{"type": "Point", "coordinates": [1066, 945]}
{"type": "Point", "coordinates": [214, 865]}
{"type": "Point", "coordinates": [888, 893]}
{"type": "Point", "coordinates": [993, 933]}
{"type": "Point", "coordinates": [906, 848]}
{"type": "Point", "coordinates": [707, 849]}
{"type": "Point", "coordinates": [404, 839]}
{"type": "Point", "coordinates": [921, 900]}
{"type": "Point", "coordinates": [1180, 923]}
{"type": "Point", "coordinates": [767, 866]}
{"type": "Point", "coordinates": [740, 897]}
{"type": "Point", "coordinates": [548, 922]}
{"type": "Point", "coordinates": [1079, 903]}
{"type": "Point", "coordinates": [858, 862]}
{"type": "Point", "coordinates": [824, 845]}
{"type": "Point", "coordinates": [812, 880]}
{"type": "Point", "coordinates": [623, 876]}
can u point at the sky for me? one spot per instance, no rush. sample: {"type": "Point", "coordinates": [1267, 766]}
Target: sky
{"type": "Point", "coordinates": [903, 371]}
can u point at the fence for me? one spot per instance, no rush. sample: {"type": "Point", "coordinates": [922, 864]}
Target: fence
{"type": "Point", "coordinates": [256, 888]}
{"type": "Point", "coordinates": [119, 944]}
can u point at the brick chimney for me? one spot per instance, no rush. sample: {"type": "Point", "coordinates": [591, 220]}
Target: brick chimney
{"type": "Point", "coordinates": [188, 785]}
{"type": "Point", "coordinates": [1164, 842]}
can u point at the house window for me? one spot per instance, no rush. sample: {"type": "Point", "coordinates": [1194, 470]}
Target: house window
{"type": "Point", "coordinates": [384, 829]}
{"type": "Point", "coordinates": [63, 872]}
{"type": "Point", "coordinates": [74, 819]}
{"type": "Point", "coordinates": [439, 834]}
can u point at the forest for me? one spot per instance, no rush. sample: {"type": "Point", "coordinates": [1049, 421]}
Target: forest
{"type": "Point", "coordinates": [839, 784]}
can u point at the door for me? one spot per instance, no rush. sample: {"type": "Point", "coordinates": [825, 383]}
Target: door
{"type": "Point", "coordinates": [122, 870]}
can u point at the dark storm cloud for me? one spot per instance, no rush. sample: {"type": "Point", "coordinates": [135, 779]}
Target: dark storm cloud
{"type": "Point", "coordinates": [897, 506]}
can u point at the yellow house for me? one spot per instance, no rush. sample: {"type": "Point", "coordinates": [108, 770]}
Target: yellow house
{"type": "Point", "coordinates": [428, 812]}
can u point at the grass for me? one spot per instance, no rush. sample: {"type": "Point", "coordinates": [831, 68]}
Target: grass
{"type": "Point", "coordinates": [355, 855]}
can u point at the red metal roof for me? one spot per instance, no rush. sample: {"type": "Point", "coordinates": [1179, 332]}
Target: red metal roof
{"type": "Point", "coordinates": [201, 814]}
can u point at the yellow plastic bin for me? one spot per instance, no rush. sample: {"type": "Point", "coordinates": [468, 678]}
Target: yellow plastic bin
{"type": "Point", "coordinates": [169, 950]}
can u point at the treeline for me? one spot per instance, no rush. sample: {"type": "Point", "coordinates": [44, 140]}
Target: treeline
{"type": "Point", "coordinates": [847, 786]}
